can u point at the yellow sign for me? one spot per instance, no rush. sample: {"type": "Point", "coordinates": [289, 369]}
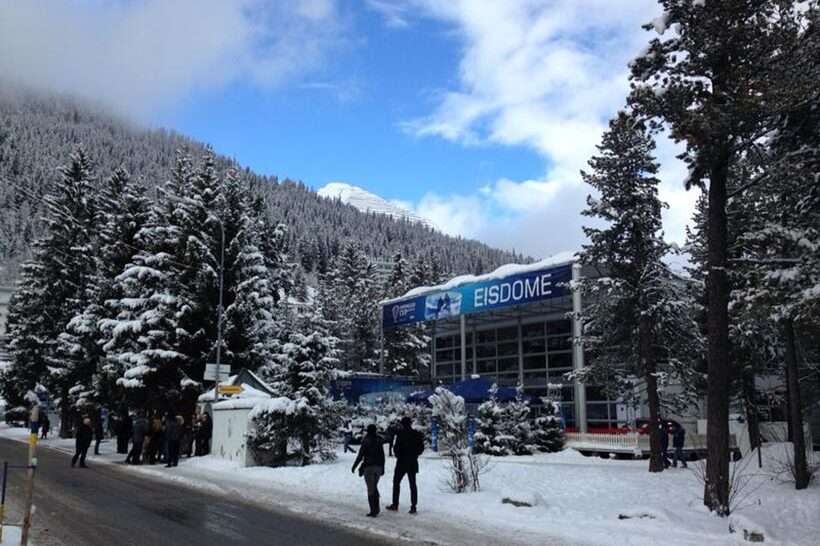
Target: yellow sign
{"type": "Point", "coordinates": [32, 439]}
{"type": "Point", "coordinates": [230, 389]}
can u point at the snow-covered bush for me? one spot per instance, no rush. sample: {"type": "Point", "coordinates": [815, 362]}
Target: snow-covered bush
{"type": "Point", "coordinates": [386, 413]}
{"type": "Point", "coordinates": [488, 437]}
{"type": "Point", "coordinates": [464, 466]}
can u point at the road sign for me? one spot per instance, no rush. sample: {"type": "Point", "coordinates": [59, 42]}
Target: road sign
{"type": "Point", "coordinates": [230, 389]}
{"type": "Point", "coordinates": [210, 372]}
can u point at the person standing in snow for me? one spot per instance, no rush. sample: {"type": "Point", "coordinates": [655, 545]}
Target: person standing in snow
{"type": "Point", "coordinates": [664, 433]}
{"type": "Point", "coordinates": [124, 430]}
{"type": "Point", "coordinates": [371, 457]}
{"type": "Point", "coordinates": [173, 435]}
{"type": "Point", "coordinates": [348, 437]}
{"type": "Point", "coordinates": [203, 435]}
{"type": "Point", "coordinates": [45, 425]}
{"type": "Point", "coordinates": [409, 445]}
{"type": "Point", "coordinates": [83, 442]}
{"type": "Point", "coordinates": [678, 441]}
{"type": "Point", "coordinates": [140, 430]}
{"type": "Point", "coordinates": [98, 434]}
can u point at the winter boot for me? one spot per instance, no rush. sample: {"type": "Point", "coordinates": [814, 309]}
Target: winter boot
{"type": "Point", "coordinates": [374, 506]}
{"type": "Point", "coordinates": [412, 510]}
{"type": "Point", "coordinates": [392, 507]}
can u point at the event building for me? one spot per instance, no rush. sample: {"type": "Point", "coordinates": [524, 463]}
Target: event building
{"type": "Point", "coordinates": [516, 325]}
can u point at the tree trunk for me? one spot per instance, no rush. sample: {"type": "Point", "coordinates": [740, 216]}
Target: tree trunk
{"type": "Point", "coordinates": [750, 406]}
{"type": "Point", "coordinates": [801, 471]}
{"type": "Point", "coordinates": [650, 367]}
{"type": "Point", "coordinates": [716, 490]}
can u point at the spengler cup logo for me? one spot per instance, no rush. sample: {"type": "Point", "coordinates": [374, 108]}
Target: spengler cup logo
{"type": "Point", "coordinates": [396, 312]}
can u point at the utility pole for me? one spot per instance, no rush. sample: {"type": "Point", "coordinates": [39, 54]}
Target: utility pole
{"type": "Point", "coordinates": [34, 419]}
{"type": "Point", "coordinates": [219, 310]}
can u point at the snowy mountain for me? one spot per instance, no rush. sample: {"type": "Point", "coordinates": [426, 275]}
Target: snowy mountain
{"type": "Point", "coordinates": [365, 201]}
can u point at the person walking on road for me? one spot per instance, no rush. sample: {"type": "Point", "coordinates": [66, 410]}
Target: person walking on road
{"type": "Point", "coordinates": [139, 431]}
{"type": "Point", "coordinates": [678, 441]}
{"type": "Point", "coordinates": [173, 435]}
{"type": "Point", "coordinates": [124, 431]}
{"type": "Point", "coordinates": [371, 457]}
{"type": "Point", "coordinates": [409, 445]}
{"type": "Point", "coordinates": [83, 442]}
{"type": "Point", "coordinates": [98, 434]}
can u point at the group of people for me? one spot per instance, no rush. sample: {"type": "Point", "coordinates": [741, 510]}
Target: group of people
{"type": "Point", "coordinates": [407, 445]}
{"type": "Point", "coordinates": [158, 439]}
{"type": "Point", "coordinates": [678, 434]}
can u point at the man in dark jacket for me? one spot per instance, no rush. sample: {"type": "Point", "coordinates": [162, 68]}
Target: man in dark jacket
{"type": "Point", "coordinates": [371, 456]}
{"type": "Point", "coordinates": [140, 429]}
{"type": "Point", "coordinates": [83, 442]}
{"type": "Point", "coordinates": [678, 441]}
{"type": "Point", "coordinates": [124, 430]}
{"type": "Point", "coordinates": [173, 434]}
{"type": "Point", "coordinates": [409, 444]}
{"type": "Point", "coordinates": [203, 435]}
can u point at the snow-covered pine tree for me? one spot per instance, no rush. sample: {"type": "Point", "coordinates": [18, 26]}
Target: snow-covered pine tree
{"type": "Point", "coordinates": [142, 333]}
{"type": "Point", "coordinates": [54, 287]}
{"type": "Point", "coordinates": [547, 435]}
{"type": "Point", "coordinates": [306, 366]}
{"type": "Point", "coordinates": [406, 347]}
{"type": "Point", "coordinates": [710, 79]}
{"type": "Point", "coordinates": [122, 212]}
{"type": "Point", "coordinates": [518, 424]}
{"type": "Point", "coordinates": [627, 308]}
{"type": "Point", "coordinates": [489, 426]}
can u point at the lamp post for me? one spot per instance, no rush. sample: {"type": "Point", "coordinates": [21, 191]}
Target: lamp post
{"type": "Point", "coordinates": [220, 310]}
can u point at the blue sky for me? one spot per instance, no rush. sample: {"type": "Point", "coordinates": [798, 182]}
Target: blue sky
{"type": "Point", "coordinates": [476, 114]}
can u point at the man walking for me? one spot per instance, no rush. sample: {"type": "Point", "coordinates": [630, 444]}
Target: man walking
{"type": "Point", "coordinates": [83, 442]}
{"type": "Point", "coordinates": [664, 432]}
{"type": "Point", "coordinates": [173, 434]}
{"type": "Point", "coordinates": [140, 429]}
{"type": "Point", "coordinates": [409, 445]}
{"type": "Point", "coordinates": [99, 433]}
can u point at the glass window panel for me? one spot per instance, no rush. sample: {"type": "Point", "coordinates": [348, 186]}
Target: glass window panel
{"type": "Point", "coordinates": [597, 412]}
{"type": "Point", "coordinates": [558, 361]}
{"type": "Point", "coordinates": [490, 377]}
{"type": "Point", "coordinates": [507, 365]}
{"type": "Point", "coordinates": [533, 346]}
{"type": "Point", "coordinates": [535, 379]}
{"type": "Point", "coordinates": [559, 343]}
{"type": "Point", "coordinates": [558, 378]}
{"type": "Point", "coordinates": [444, 341]}
{"type": "Point", "coordinates": [507, 349]}
{"type": "Point", "coordinates": [508, 380]}
{"type": "Point", "coordinates": [445, 356]}
{"type": "Point", "coordinates": [444, 370]}
{"type": "Point", "coordinates": [484, 351]}
{"type": "Point", "coordinates": [535, 391]}
{"type": "Point", "coordinates": [559, 327]}
{"type": "Point", "coordinates": [485, 336]}
{"type": "Point", "coordinates": [535, 362]}
{"type": "Point", "coordinates": [533, 330]}
{"type": "Point", "coordinates": [469, 353]}
{"type": "Point", "coordinates": [511, 332]}
{"type": "Point", "coordinates": [486, 366]}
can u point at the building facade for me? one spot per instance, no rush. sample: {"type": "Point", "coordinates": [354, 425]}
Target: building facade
{"type": "Point", "coordinates": [516, 326]}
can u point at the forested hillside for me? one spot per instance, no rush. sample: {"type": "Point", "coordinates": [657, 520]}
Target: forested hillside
{"type": "Point", "coordinates": [39, 132]}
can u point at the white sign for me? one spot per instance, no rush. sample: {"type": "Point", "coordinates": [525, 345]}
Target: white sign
{"type": "Point", "coordinates": [210, 372]}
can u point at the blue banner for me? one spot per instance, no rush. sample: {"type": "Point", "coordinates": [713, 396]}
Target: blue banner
{"type": "Point", "coordinates": [480, 296]}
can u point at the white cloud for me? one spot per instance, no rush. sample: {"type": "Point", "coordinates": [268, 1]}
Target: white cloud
{"type": "Point", "coordinates": [140, 57]}
{"type": "Point", "coordinates": [547, 75]}
{"type": "Point", "coordinates": [394, 13]}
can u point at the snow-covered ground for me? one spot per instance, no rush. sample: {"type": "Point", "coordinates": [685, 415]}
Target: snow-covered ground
{"type": "Point", "coordinates": [576, 500]}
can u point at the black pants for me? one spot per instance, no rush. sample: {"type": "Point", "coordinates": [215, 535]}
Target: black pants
{"type": "Point", "coordinates": [398, 475]}
{"type": "Point", "coordinates": [97, 446]}
{"type": "Point", "coordinates": [122, 444]}
{"type": "Point", "coordinates": [136, 454]}
{"type": "Point", "coordinates": [173, 453]}
{"type": "Point", "coordinates": [80, 454]}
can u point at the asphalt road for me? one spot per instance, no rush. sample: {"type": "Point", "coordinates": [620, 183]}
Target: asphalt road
{"type": "Point", "coordinates": [106, 505]}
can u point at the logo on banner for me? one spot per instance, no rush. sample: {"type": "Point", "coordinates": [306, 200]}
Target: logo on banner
{"type": "Point", "coordinates": [403, 312]}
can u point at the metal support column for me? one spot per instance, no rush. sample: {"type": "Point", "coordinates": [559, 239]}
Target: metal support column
{"type": "Point", "coordinates": [381, 342]}
{"type": "Point", "coordinates": [475, 341]}
{"type": "Point", "coordinates": [433, 364]}
{"type": "Point", "coordinates": [520, 354]}
{"type": "Point", "coordinates": [463, 328]}
{"type": "Point", "coordinates": [578, 351]}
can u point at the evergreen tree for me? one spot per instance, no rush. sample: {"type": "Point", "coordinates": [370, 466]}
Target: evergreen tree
{"type": "Point", "coordinates": [710, 81]}
{"type": "Point", "coordinates": [489, 419]}
{"type": "Point", "coordinates": [54, 287]}
{"type": "Point", "coordinates": [405, 347]}
{"type": "Point", "coordinates": [547, 434]}
{"type": "Point", "coordinates": [630, 306]}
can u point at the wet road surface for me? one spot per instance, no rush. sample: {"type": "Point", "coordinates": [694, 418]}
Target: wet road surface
{"type": "Point", "coordinates": [106, 505]}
